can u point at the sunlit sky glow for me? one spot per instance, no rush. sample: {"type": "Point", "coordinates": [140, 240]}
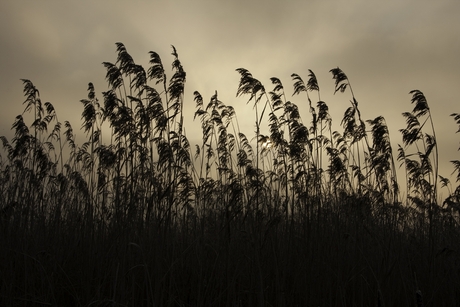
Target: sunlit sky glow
{"type": "Point", "coordinates": [387, 48]}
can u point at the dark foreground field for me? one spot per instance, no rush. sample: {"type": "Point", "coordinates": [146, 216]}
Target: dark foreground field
{"type": "Point", "coordinates": [301, 216]}
{"type": "Point", "coordinates": [344, 258]}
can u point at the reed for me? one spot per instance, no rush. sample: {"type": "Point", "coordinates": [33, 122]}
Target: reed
{"type": "Point", "coordinates": [301, 216]}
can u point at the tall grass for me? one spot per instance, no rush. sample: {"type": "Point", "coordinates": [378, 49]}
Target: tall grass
{"type": "Point", "coordinates": [302, 216]}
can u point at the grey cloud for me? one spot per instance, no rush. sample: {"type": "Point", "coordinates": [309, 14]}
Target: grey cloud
{"type": "Point", "coordinates": [387, 48]}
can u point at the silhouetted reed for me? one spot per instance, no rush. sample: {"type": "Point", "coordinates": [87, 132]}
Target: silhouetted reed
{"type": "Point", "coordinates": [301, 216]}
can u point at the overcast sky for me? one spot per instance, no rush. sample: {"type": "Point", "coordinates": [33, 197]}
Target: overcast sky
{"type": "Point", "coordinates": [387, 48]}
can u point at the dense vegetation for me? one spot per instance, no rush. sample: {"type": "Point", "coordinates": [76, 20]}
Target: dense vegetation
{"type": "Point", "coordinates": [302, 216]}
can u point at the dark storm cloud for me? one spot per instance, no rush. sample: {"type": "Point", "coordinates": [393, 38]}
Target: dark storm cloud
{"type": "Point", "coordinates": [387, 48]}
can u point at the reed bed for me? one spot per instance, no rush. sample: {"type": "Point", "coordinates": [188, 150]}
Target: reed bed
{"type": "Point", "coordinates": [301, 216]}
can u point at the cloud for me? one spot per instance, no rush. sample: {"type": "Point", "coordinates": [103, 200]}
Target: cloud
{"type": "Point", "coordinates": [387, 48]}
